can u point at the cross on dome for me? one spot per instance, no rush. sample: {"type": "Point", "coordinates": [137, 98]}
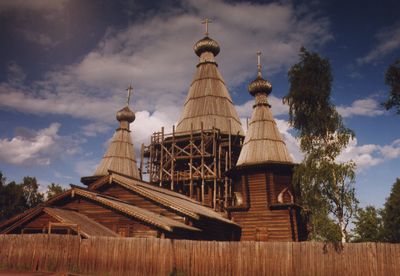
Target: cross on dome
{"type": "Point", "coordinates": [129, 89]}
{"type": "Point", "coordinates": [259, 66]}
{"type": "Point", "coordinates": [206, 21]}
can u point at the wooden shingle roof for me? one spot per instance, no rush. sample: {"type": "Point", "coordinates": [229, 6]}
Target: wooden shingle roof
{"type": "Point", "coordinates": [208, 101]}
{"type": "Point", "coordinates": [87, 226]}
{"type": "Point", "coordinates": [136, 212]}
{"type": "Point", "coordinates": [165, 197]}
{"type": "Point", "coordinates": [263, 142]}
{"type": "Point", "coordinates": [120, 154]}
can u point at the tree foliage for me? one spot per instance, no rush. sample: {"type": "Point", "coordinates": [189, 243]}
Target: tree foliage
{"type": "Point", "coordinates": [391, 214]}
{"type": "Point", "coordinates": [368, 225]}
{"type": "Point", "coordinates": [12, 200]}
{"type": "Point", "coordinates": [16, 198]}
{"type": "Point", "coordinates": [31, 192]}
{"type": "Point", "coordinates": [326, 187]}
{"type": "Point", "coordinates": [54, 190]}
{"type": "Point", "coordinates": [392, 79]}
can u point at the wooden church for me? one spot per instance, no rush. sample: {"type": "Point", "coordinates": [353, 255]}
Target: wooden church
{"type": "Point", "coordinates": [208, 180]}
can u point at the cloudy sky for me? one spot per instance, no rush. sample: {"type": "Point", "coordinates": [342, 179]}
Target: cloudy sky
{"type": "Point", "coordinates": [65, 65]}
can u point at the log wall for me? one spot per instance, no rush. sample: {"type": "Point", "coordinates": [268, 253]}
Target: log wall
{"type": "Point", "coordinates": [257, 220]}
{"type": "Point", "coordinates": [132, 256]}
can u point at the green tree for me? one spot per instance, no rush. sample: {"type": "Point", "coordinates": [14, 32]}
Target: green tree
{"type": "Point", "coordinates": [31, 192]}
{"type": "Point", "coordinates": [12, 200]}
{"type": "Point", "coordinates": [53, 190]}
{"type": "Point", "coordinates": [391, 214]}
{"type": "Point", "coordinates": [392, 79]}
{"type": "Point", "coordinates": [368, 225]}
{"type": "Point", "coordinates": [16, 198]}
{"type": "Point", "coordinates": [326, 187]}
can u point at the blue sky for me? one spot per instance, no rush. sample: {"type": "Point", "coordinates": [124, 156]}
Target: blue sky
{"type": "Point", "coordinates": [65, 65]}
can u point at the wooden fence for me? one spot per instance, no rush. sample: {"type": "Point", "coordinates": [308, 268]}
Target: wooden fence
{"type": "Point", "coordinates": [133, 256]}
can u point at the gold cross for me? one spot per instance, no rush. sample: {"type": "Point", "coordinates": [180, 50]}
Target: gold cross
{"type": "Point", "coordinates": [206, 22]}
{"type": "Point", "coordinates": [129, 89]}
{"type": "Point", "coordinates": [259, 63]}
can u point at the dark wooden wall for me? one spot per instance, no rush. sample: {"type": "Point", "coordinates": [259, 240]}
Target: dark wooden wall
{"type": "Point", "coordinates": [258, 218]}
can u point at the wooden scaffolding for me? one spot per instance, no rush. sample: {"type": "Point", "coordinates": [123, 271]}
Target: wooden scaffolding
{"type": "Point", "coordinates": [193, 163]}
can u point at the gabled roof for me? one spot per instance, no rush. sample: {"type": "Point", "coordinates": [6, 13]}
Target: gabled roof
{"type": "Point", "coordinates": [138, 213]}
{"type": "Point", "coordinates": [208, 100]}
{"type": "Point", "coordinates": [167, 198]}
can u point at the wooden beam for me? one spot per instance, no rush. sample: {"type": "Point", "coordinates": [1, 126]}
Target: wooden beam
{"type": "Point", "coordinates": [173, 158]}
{"type": "Point", "coordinates": [162, 157]}
{"type": "Point", "coordinates": [191, 162]}
{"type": "Point", "coordinates": [202, 165]}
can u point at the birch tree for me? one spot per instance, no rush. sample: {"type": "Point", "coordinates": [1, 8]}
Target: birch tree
{"type": "Point", "coordinates": [325, 186]}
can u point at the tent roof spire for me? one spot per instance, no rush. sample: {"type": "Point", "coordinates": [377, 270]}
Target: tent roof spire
{"type": "Point", "coordinates": [263, 144]}
{"type": "Point", "coordinates": [208, 101]}
{"type": "Point", "coordinates": [120, 155]}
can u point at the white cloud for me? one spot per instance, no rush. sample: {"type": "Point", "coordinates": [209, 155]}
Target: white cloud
{"type": "Point", "coordinates": [388, 40]}
{"type": "Point", "coordinates": [391, 151]}
{"type": "Point", "coordinates": [292, 143]}
{"type": "Point", "coordinates": [15, 75]}
{"type": "Point", "coordinates": [86, 167]}
{"type": "Point", "coordinates": [365, 156]}
{"type": "Point", "coordinates": [369, 155]}
{"type": "Point", "coordinates": [362, 107]}
{"type": "Point", "coordinates": [34, 149]}
{"type": "Point", "coordinates": [146, 124]}
{"type": "Point", "coordinates": [156, 54]}
{"type": "Point", "coordinates": [34, 5]}
{"type": "Point", "coordinates": [40, 147]}
{"type": "Point", "coordinates": [92, 129]}
{"type": "Point", "coordinates": [39, 38]}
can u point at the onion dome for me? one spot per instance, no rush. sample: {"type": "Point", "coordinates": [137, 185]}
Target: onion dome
{"type": "Point", "coordinates": [259, 85]}
{"type": "Point", "coordinates": [206, 44]}
{"type": "Point", "coordinates": [125, 114]}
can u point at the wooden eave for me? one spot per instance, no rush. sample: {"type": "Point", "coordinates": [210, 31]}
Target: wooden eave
{"type": "Point", "coordinates": [22, 218]}
{"type": "Point", "coordinates": [239, 170]}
